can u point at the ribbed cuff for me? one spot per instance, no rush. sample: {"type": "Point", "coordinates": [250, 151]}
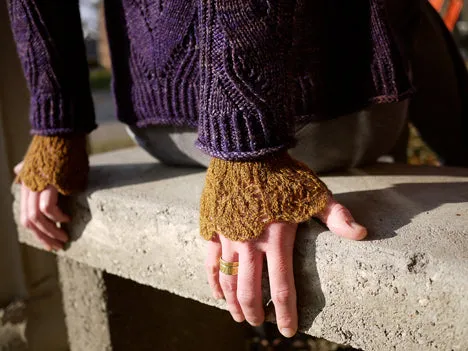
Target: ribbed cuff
{"type": "Point", "coordinates": [243, 155]}
{"type": "Point", "coordinates": [52, 114]}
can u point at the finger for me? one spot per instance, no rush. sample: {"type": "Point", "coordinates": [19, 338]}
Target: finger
{"type": "Point", "coordinates": [48, 204]}
{"type": "Point", "coordinates": [281, 274]}
{"type": "Point", "coordinates": [47, 241]}
{"type": "Point", "coordinates": [340, 221]}
{"type": "Point", "coordinates": [24, 206]}
{"type": "Point", "coordinates": [249, 284]}
{"type": "Point", "coordinates": [229, 282]}
{"type": "Point", "coordinates": [212, 267]}
{"type": "Point", "coordinates": [18, 167]}
{"type": "Point", "coordinates": [43, 224]}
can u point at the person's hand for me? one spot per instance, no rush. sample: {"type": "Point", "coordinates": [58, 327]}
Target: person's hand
{"type": "Point", "coordinates": [243, 292]}
{"type": "Point", "coordinates": [40, 213]}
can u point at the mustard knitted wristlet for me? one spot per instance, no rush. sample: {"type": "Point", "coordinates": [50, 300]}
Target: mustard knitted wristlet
{"type": "Point", "coordinates": [241, 198]}
{"type": "Point", "coordinates": [61, 161]}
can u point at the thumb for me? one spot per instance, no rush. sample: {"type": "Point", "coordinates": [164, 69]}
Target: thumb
{"type": "Point", "coordinates": [340, 221]}
{"type": "Point", "coordinates": [18, 168]}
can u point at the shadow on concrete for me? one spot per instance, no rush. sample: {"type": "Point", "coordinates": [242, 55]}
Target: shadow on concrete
{"type": "Point", "coordinates": [144, 318]}
{"type": "Point", "coordinates": [396, 169]}
{"type": "Point", "coordinates": [307, 278]}
{"type": "Point", "coordinates": [113, 176]}
{"type": "Point", "coordinates": [118, 175]}
{"type": "Point", "coordinates": [384, 213]}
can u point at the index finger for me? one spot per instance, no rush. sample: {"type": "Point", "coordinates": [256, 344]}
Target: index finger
{"type": "Point", "coordinates": [48, 204]}
{"type": "Point", "coordinates": [280, 269]}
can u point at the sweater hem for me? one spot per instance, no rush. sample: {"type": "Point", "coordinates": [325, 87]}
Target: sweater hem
{"type": "Point", "coordinates": [243, 155]}
{"type": "Point", "coordinates": [55, 114]}
{"type": "Point", "coordinates": [163, 122]}
{"type": "Point", "coordinates": [61, 131]}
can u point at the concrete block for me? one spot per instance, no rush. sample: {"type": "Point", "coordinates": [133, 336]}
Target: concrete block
{"type": "Point", "coordinates": [85, 305]}
{"type": "Point", "coordinates": [404, 288]}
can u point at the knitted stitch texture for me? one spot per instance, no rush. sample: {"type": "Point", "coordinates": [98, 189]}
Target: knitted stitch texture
{"type": "Point", "coordinates": [58, 161]}
{"type": "Point", "coordinates": [50, 45]}
{"type": "Point", "coordinates": [241, 198]}
{"type": "Point", "coordinates": [242, 71]}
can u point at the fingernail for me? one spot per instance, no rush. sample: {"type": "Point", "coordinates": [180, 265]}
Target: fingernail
{"type": "Point", "coordinates": [288, 332]}
{"type": "Point", "coordinates": [238, 318]}
{"type": "Point", "coordinates": [356, 226]}
{"type": "Point", "coordinates": [255, 323]}
{"type": "Point", "coordinates": [353, 224]}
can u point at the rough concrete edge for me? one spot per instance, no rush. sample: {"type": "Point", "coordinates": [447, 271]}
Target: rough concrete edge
{"type": "Point", "coordinates": [335, 334]}
{"type": "Point", "coordinates": [85, 304]}
{"type": "Point", "coordinates": [27, 238]}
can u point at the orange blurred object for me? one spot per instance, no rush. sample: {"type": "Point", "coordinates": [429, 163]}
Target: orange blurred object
{"type": "Point", "coordinates": [437, 4]}
{"type": "Point", "coordinates": [452, 12]}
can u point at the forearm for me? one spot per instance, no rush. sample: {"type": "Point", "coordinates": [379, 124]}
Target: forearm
{"type": "Point", "coordinates": [50, 46]}
{"type": "Point", "coordinates": [245, 107]}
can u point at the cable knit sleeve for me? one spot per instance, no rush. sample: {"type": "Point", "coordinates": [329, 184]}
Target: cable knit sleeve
{"type": "Point", "coordinates": [50, 45]}
{"type": "Point", "coordinates": [246, 121]}
{"type": "Point", "coordinates": [244, 108]}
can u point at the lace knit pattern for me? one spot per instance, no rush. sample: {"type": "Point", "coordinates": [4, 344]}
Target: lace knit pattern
{"type": "Point", "coordinates": [58, 161]}
{"type": "Point", "coordinates": [240, 71]}
{"type": "Point", "coordinates": [241, 198]}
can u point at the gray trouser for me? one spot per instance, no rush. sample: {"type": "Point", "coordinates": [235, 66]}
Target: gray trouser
{"type": "Point", "coordinates": [344, 142]}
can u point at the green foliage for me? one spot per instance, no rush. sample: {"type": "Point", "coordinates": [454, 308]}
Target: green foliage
{"type": "Point", "coordinates": [100, 79]}
{"type": "Point", "coordinates": [418, 152]}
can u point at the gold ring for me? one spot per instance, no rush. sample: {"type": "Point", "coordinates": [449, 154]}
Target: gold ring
{"type": "Point", "coordinates": [228, 268]}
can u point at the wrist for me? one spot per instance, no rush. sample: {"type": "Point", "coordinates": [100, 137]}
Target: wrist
{"type": "Point", "coordinates": [60, 161]}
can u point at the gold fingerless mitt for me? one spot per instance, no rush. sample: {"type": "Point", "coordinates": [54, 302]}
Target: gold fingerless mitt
{"type": "Point", "coordinates": [241, 198]}
{"type": "Point", "coordinates": [60, 161]}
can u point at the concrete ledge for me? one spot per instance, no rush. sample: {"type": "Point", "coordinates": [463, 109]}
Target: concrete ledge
{"type": "Point", "coordinates": [405, 288]}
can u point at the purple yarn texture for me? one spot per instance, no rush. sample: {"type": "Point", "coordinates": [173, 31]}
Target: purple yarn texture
{"type": "Point", "coordinates": [241, 71]}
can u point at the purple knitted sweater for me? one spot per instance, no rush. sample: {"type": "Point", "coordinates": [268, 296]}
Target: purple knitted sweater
{"type": "Point", "coordinates": [242, 71]}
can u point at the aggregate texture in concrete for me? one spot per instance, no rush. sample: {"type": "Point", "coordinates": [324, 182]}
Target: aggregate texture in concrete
{"type": "Point", "coordinates": [404, 288]}
{"type": "Point", "coordinates": [85, 306]}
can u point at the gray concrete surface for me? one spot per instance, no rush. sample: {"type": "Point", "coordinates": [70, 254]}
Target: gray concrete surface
{"type": "Point", "coordinates": [85, 306]}
{"type": "Point", "coordinates": [404, 288]}
{"type": "Point", "coordinates": [104, 107]}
